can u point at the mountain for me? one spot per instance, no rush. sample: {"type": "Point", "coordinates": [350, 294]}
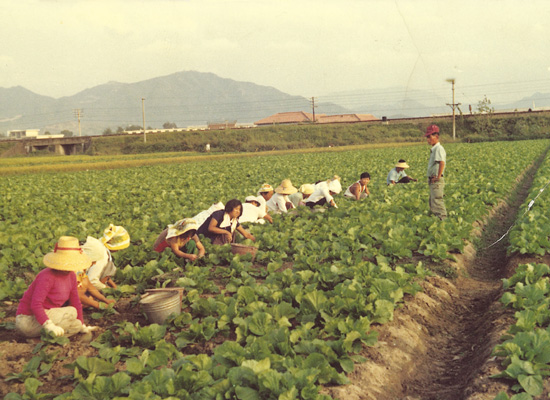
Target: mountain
{"type": "Point", "coordinates": [403, 103]}
{"type": "Point", "coordinates": [186, 98]}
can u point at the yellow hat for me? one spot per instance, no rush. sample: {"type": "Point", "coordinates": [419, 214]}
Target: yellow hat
{"type": "Point", "coordinates": [307, 188]}
{"type": "Point", "coordinates": [266, 187]}
{"type": "Point", "coordinates": [67, 256]}
{"type": "Point", "coordinates": [286, 187]}
{"type": "Point", "coordinates": [180, 227]}
{"type": "Point", "coordinates": [115, 237]}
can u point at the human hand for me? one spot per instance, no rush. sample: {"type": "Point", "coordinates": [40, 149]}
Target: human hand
{"type": "Point", "coordinates": [49, 326]}
{"type": "Point", "coordinates": [110, 301]}
{"type": "Point", "coordinates": [87, 329]}
{"type": "Point", "coordinates": [229, 236]}
{"type": "Point", "coordinates": [192, 257]}
{"type": "Point", "coordinates": [251, 237]}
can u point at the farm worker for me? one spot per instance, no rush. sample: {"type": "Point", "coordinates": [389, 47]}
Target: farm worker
{"type": "Point", "coordinates": [253, 212]}
{"type": "Point", "coordinates": [398, 175]}
{"type": "Point", "coordinates": [279, 202]}
{"type": "Point", "coordinates": [114, 238]}
{"type": "Point", "coordinates": [324, 192]}
{"type": "Point", "coordinates": [298, 198]}
{"type": "Point", "coordinates": [436, 168]}
{"type": "Point", "coordinates": [220, 227]}
{"type": "Point", "coordinates": [182, 239]}
{"type": "Point", "coordinates": [42, 304]}
{"type": "Point", "coordinates": [359, 190]}
{"type": "Point", "coordinates": [264, 194]}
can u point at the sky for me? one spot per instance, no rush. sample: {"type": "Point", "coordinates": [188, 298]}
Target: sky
{"type": "Point", "coordinates": [301, 47]}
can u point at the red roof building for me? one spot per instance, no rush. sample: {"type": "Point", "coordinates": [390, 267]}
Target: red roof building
{"type": "Point", "coordinates": [294, 117]}
{"type": "Point", "coordinates": [300, 117]}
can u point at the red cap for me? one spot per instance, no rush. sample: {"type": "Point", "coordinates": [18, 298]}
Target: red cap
{"type": "Point", "coordinates": [432, 129]}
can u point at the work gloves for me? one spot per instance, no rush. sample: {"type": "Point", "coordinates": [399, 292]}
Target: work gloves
{"type": "Point", "coordinates": [49, 326]}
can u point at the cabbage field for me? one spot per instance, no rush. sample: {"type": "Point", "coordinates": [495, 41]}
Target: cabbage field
{"type": "Point", "coordinates": [286, 325]}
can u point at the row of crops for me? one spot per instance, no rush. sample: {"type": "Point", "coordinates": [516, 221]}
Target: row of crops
{"type": "Point", "coordinates": [289, 322]}
{"type": "Point", "coordinates": [525, 349]}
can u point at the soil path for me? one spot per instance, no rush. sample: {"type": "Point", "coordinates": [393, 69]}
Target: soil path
{"type": "Point", "coordinates": [471, 326]}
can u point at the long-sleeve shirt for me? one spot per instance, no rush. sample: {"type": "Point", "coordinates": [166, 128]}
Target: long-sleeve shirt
{"type": "Point", "coordinates": [50, 289]}
{"type": "Point", "coordinates": [321, 191]}
{"type": "Point", "coordinates": [277, 203]}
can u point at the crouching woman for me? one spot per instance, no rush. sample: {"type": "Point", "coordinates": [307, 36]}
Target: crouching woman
{"type": "Point", "coordinates": [182, 239]}
{"type": "Point", "coordinates": [43, 303]}
{"type": "Point", "coordinates": [220, 227]}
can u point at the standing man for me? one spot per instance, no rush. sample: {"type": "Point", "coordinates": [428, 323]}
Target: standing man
{"type": "Point", "coordinates": [436, 168]}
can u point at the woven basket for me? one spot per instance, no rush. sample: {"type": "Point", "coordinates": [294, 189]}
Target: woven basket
{"type": "Point", "coordinates": [237, 248]}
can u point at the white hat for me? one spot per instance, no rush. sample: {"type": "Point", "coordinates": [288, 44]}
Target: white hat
{"type": "Point", "coordinates": [251, 198]}
{"type": "Point", "coordinates": [334, 186]}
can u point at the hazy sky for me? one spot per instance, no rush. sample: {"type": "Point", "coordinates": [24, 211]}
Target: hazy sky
{"type": "Point", "coordinates": [301, 47]}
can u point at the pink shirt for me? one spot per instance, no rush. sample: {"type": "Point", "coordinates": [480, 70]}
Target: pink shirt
{"type": "Point", "coordinates": [50, 289]}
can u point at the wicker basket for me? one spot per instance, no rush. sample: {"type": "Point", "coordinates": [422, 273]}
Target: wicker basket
{"type": "Point", "coordinates": [237, 248]}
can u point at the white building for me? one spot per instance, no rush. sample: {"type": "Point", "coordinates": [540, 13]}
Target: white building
{"type": "Point", "coordinates": [22, 134]}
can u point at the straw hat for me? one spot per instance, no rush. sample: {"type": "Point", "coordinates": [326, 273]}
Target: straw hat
{"type": "Point", "coordinates": [307, 188]}
{"type": "Point", "coordinates": [115, 237]}
{"type": "Point", "coordinates": [286, 187]}
{"type": "Point", "coordinates": [180, 227]}
{"type": "Point", "coordinates": [402, 165]}
{"type": "Point", "coordinates": [67, 256]}
{"type": "Point", "coordinates": [266, 187]}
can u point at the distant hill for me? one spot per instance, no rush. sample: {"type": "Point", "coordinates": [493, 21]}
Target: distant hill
{"type": "Point", "coordinates": [186, 98]}
{"type": "Point", "coordinates": [399, 102]}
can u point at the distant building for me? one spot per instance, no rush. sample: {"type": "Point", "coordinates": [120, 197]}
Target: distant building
{"type": "Point", "coordinates": [299, 117]}
{"type": "Point", "coordinates": [22, 134]}
{"type": "Point", "coordinates": [345, 118]}
{"type": "Point", "coordinates": [221, 125]}
{"type": "Point", "coordinates": [293, 117]}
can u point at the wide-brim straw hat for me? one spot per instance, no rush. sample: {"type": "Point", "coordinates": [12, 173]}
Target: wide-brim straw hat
{"type": "Point", "coordinates": [115, 238]}
{"type": "Point", "coordinates": [180, 227]}
{"type": "Point", "coordinates": [307, 188]}
{"type": "Point", "coordinates": [266, 187]}
{"type": "Point", "coordinates": [402, 165]}
{"type": "Point", "coordinates": [286, 187]}
{"type": "Point", "coordinates": [67, 255]}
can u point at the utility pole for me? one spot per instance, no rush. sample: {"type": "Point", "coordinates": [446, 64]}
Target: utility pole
{"type": "Point", "coordinates": [313, 108]}
{"type": "Point", "coordinates": [453, 105]}
{"type": "Point", "coordinates": [143, 114]}
{"type": "Point", "coordinates": [78, 114]}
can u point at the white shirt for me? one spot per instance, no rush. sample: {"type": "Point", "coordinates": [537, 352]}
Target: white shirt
{"type": "Point", "coordinates": [97, 251]}
{"type": "Point", "coordinates": [361, 189]}
{"type": "Point", "coordinates": [277, 203]}
{"type": "Point", "coordinates": [251, 213]}
{"type": "Point", "coordinates": [321, 191]}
